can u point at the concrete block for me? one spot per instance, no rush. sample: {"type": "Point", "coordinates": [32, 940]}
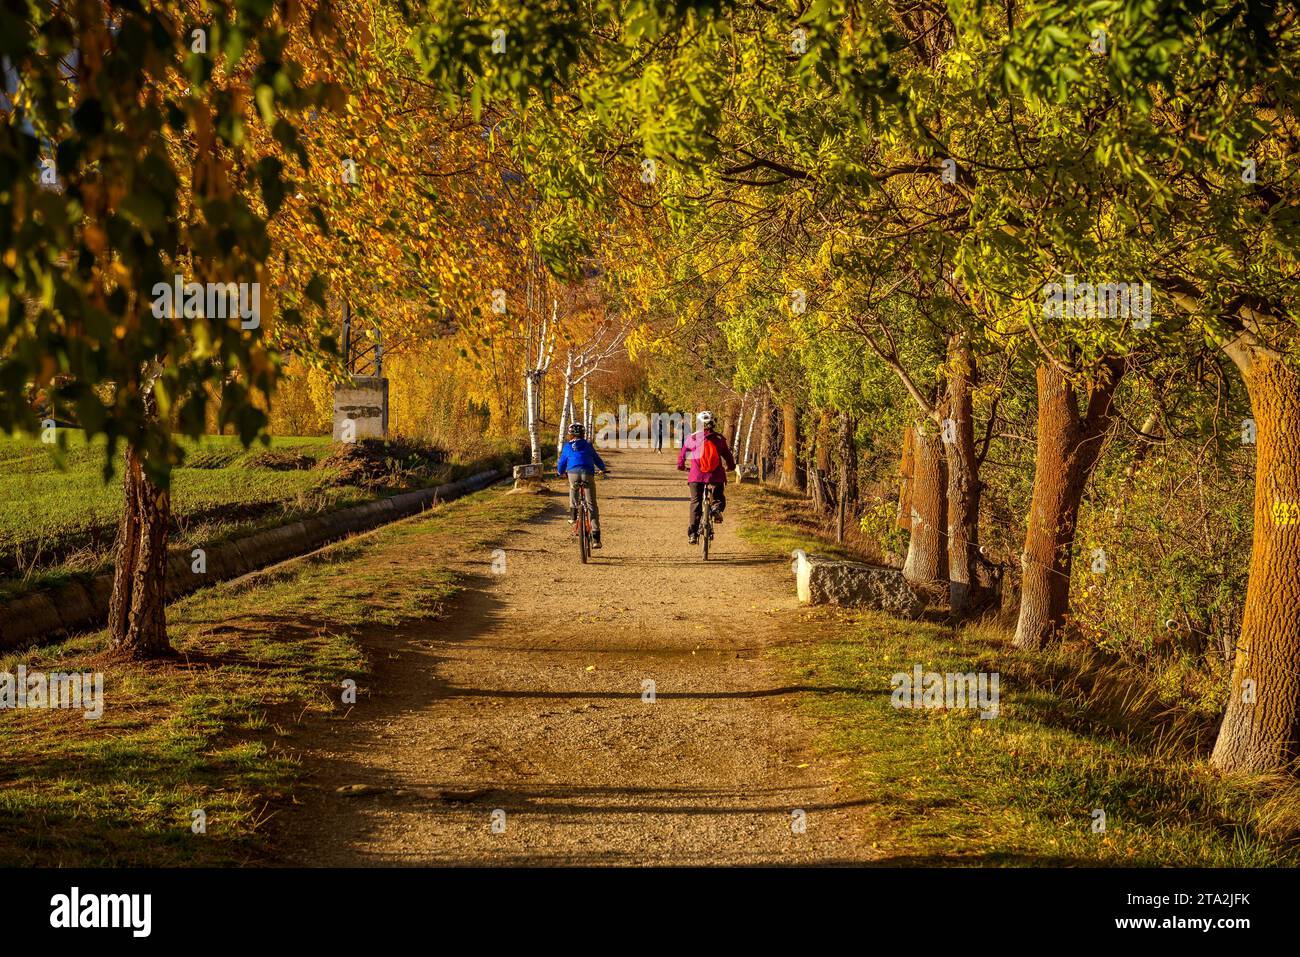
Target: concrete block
{"type": "Point", "coordinates": [363, 401]}
{"type": "Point", "coordinates": [822, 581]}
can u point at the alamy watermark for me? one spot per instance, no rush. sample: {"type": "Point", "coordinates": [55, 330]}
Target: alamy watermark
{"type": "Point", "coordinates": [976, 690]}
{"type": "Point", "coordinates": [212, 300]}
{"type": "Point", "coordinates": [640, 430]}
{"type": "Point", "coordinates": [129, 911]}
{"type": "Point", "coordinates": [82, 691]}
{"type": "Point", "coordinates": [1084, 300]}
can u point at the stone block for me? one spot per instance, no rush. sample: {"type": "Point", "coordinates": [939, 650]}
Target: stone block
{"type": "Point", "coordinates": [823, 581]}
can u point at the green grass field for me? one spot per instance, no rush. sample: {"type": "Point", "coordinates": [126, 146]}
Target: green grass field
{"type": "Point", "coordinates": [58, 517]}
{"type": "Point", "coordinates": [63, 519]}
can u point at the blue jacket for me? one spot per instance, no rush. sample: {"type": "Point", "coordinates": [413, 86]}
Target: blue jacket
{"type": "Point", "coordinates": [578, 456]}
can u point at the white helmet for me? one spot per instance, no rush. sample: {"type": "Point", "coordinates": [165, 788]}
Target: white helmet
{"type": "Point", "coordinates": [704, 418]}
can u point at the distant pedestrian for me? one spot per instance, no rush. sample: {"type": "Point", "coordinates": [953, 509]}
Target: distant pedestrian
{"type": "Point", "coordinates": [659, 433]}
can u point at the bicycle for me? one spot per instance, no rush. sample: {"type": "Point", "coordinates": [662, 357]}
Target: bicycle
{"type": "Point", "coordinates": [583, 524]}
{"type": "Point", "coordinates": [706, 520]}
{"type": "Point", "coordinates": [584, 521]}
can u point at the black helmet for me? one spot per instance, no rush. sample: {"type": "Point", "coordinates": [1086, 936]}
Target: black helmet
{"type": "Point", "coordinates": [576, 430]}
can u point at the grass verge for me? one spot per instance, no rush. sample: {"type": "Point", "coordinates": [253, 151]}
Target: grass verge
{"type": "Point", "coordinates": [214, 729]}
{"type": "Point", "coordinates": [1075, 734]}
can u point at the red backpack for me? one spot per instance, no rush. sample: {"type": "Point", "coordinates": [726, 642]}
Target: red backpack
{"type": "Point", "coordinates": [708, 458]}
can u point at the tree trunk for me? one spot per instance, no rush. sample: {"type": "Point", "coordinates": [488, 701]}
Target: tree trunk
{"type": "Point", "coordinates": [1068, 448]}
{"type": "Point", "coordinates": [790, 446]}
{"type": "Point", "coordinates": [849, 451]}
{"type": "Point", "coordinates": [765, 441]}
{"type": "Point", "coordinates": [566, 410]}
{"type": "Point", "coordinates": [819, 463]}
{"type": "Point", "coordinates": [534, 439]}
{"type": "Point", "coordinates": [927, 553]}
{"type": "Point", "coordinates": [906, 465]}
{"type": "Point", "coordinates": [742, 440]}
{"type": "Point", "coordinates": [822, 443]}
{"type": "Point", "coordinates": [848, 481]}
{"type": "Point", "coordinates": [725, 421]}
{"type": "Point", "coordinates": [760, 408]}
{"type": "Point", "coordinates": [137, 611]}
{"type": "Point", "coordinates": [1261, 728]}
{"type": "Point", "coordinates": [964, 486]}
{"type": "Point", "coordinates": [1149, 426]}
{"type": "Point", "coordinates": [815, 486]}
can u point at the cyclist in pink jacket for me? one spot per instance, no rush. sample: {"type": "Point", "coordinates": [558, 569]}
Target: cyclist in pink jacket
{"type": "Point", "coordinates": [710, 459]}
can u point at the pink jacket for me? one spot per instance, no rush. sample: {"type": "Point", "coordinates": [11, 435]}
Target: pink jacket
{"type": "Point", "coordinates": [692, 447]}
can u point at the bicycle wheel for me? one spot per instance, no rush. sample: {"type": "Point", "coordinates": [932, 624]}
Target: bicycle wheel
{"type": "Point", "coordinates": [706, 523]}
{"type": "Point", "coordinates": [584, 529]}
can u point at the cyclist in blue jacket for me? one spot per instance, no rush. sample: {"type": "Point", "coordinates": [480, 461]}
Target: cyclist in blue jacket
{"type": "Point", "coordinates": [578, 458]}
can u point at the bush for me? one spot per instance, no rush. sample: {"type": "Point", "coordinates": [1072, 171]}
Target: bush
{"type": "Point", "coordinates": [1176, 539]}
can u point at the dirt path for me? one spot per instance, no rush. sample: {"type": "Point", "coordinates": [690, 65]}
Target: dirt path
{"type": "Point", "coordinates": [528, 698]}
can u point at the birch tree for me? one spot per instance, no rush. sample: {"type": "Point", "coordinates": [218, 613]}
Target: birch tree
{"type": "Point", "coordinates": [584, 362]}
{"type": "Point", "coordinates": [539, 345]}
